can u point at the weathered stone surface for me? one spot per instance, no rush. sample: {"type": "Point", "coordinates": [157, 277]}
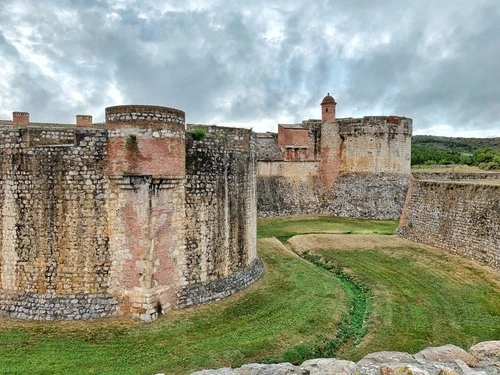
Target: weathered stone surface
{"type": "Point", "coordinates": [461, 218]}
{"type": "Point", "coordinates": [446, 353]}
{"type": "Point", "coordinates": [443, 360]}
{"type": "Point", "coordinates": [486, 349]}
{"type": "Point", "coordinates": [221, 371]}
{"type": "Point", "coordinates": [329, 366]}
{"type": "Point", "coordinates": [385, 357]}
{"type": "Point", "coordinates": [488, 354]}
{"type": "Point", "coordinates": [136, 218]}
{"type": "Point", "coordinates": [278, 369]}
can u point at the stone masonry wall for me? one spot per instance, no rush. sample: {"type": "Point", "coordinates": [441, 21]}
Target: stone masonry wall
{"type": "Point", "coordinates": [376, 144]}
{"type": "Point", "coordinates": [369, 195]}
{"type": "Point", "coordinates": [462, 218]}
{"type": "Point", "coordinates": [146, 167]}
{"type": "Point", "coordinates": [54, 256]}
{"type": "Point", "coordinates": [288, 188]}
{"type": "Point", "coordinates": [129, 218]}
{"type": "Point", "coordinates": [220, 213]}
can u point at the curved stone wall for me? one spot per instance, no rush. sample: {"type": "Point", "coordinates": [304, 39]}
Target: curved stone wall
{"type": "Point", "coordinates": [376, 144]}
{"type": "Point", "coordinates": [144, 114]}
{"type": "Point", "coordinates": [220, 238]}
{"type": "Point", "coordinates": [135, 219]}
{"type": "Point", "coordinates": [54, 255]}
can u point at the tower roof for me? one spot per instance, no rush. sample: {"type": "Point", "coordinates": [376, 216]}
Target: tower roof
{"type": "Point", "coordinates": [328, 99]}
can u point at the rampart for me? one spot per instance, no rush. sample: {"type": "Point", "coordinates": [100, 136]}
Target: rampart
{"type": "Point", "coordinates": [135, 216]}
{"type": "Point", "coordinates": [460, 217]}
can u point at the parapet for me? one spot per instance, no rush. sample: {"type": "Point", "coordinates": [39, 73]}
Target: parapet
{"type": "Point", "coordinates": [144, 116]}
{"type": "Point", "coordinates": [21, 118]}
{"type": "Point", "coordinates": [375, 125]}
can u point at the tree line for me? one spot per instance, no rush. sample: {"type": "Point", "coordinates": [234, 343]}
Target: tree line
{"type": "Point", "coordinates": [430, 150]}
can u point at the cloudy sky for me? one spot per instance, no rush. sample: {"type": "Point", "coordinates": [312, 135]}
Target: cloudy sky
{"type": "Point", "coordinates": [256, 63]}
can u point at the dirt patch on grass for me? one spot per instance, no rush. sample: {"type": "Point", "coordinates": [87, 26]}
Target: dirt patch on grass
{"type": "Point", "coordinates": [302, 243]}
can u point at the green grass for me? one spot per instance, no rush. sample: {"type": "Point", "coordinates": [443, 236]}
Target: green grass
{"type": "Point", "coordinates": [284, 228]}
{"type": "Point", "coordinates": [342, 302]}
{"type": "Point", "coordinates": [422, 298]}
{"type": "Point", "coordinates": [291, 304]}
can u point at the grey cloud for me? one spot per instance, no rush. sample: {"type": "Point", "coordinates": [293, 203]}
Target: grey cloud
{"type": "Point", "coordinates": [213, 61]}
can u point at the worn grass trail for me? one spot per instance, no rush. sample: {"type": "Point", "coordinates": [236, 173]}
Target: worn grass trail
{"type": "Point", "coordinates": [284, 228]}
{"type": "Point", "coordinates": [421, 296]}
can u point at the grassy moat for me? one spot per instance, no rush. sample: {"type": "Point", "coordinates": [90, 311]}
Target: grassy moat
{"type": "Point", "coordinates": [360, 290]}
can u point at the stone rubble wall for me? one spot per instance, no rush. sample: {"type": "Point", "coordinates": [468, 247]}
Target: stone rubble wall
{"type": "Point", "coordinates": [25, 305]}
{"type": "Point", "coordinates": [135, 218]}
{"type": "Point", "coordinates": [360, 168]}
{"type": "Point", "coordinates": [54, 243]}
{"type": "Point", "coordinates": [220, 212]}
{"type": "Point", "coordinates": [362, 195]}
{"type": "Point", "coordinates": [451, 176]}
{"type": "Point", "coordinates": [368, 195]}
{"type": "Point", "coordinates": [217, 289]}
{"type": "Point", "coordinates": [481, 359]}
{"type": "Point", "coordinates": [144, 113]}
{"type": "Point", "coordinates": [459, 217]}
{"type": "Point", "coordinates": [376, 144]}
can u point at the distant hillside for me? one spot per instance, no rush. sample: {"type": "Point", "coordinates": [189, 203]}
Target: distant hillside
{"type": "Point", "coordinates": [480, 152]}
{"type": "Point", "coordinates": [458, 144]}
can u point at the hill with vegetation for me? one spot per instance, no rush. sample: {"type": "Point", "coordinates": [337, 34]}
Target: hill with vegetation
{"type": "Point", "coordinates": [481, 152]}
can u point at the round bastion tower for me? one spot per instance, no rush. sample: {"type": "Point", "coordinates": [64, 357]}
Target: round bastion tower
{"type": "Point", "coordinates": [146, 169]}
{"type": "Point", "coordinates": [133, 218]}
{"type": "Point", "coordinates": [181, 211]}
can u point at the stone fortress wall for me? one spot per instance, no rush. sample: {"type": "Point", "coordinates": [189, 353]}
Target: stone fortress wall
{"type": "Point", "coordinates": [135, 216]}
{"type": "Point", "coordinates": [343, 167]}
{"type": "Point", "coordinates": [461, 217]}
{"type": "Point", "coordinates": [141, 214]}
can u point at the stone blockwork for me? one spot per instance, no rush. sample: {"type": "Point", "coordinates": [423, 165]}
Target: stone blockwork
{"type": "Point", "coordinates": [24, 305]}
{"type": "Point", "coordinates": [368, 195]}
{"type": "Point", "coordinates": [462, 218]}
{"type": "Point", "coordinates": [146, 114]}
{"type": "Point", "coordinates": [131, 217]}
{"type": "Point", "coordinates": [362, 195]}
{"type": "Point", "coordinates": [289, 188]}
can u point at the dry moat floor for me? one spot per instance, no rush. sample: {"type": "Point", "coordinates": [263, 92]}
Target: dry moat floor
{"type": "Point", "coordinates": [354, 289]}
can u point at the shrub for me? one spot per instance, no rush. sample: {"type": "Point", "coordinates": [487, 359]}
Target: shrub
{"type": "Point", "coordinates": [198, 133]}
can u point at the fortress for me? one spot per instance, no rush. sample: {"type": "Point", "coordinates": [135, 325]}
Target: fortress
{"type": "Point", "coordinates": [143, 213]}
{"type": "Point", "coordinates": [134, 216]}
{"type": "Point", "coordinates": [351, 167]}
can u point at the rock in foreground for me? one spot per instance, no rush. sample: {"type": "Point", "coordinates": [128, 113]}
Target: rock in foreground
{"type": "Point", "coordinates": [481, 359]}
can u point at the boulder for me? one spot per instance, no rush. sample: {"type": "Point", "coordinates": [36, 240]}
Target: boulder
{"type": "Point", "coordinates": [329, 366]}
{"type": "Point", "coordinates": [486, 350]}
{"type": "Point", "coordinates": [446, 353]}
{"type": "Point", "coordinates": [275, 369]}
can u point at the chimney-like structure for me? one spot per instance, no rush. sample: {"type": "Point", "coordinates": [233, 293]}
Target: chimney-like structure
{"type": "Point", "coordinates": [20, 118]}
{"type": "Point", "coordinates": [83, 121]}
{"type": "Point", "coordinates": [328, 109]}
